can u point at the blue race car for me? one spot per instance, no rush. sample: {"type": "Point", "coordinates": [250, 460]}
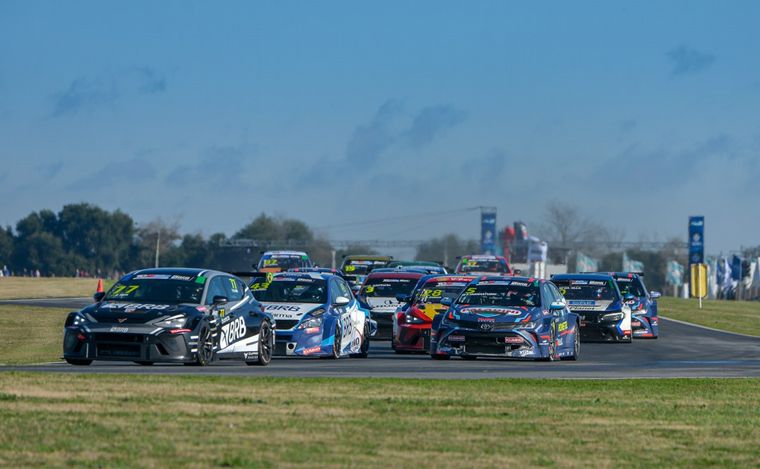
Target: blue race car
{"type": "Point", "coordinates": [596, 298]}
{"type": "Point", "coordinates": [644, 321]}
{"type": "Point", "coordinates": [315, 315]}
{"type": "Point", "coordinates": [512, 317]}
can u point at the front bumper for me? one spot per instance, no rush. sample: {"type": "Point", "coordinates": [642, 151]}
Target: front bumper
{"type": "Point", "coordinates": [503, 344]}
{"type": "Point", "coordinates": [645, 327]}
{"type": "Point", "coordinates": [149, 344]}
{"type": "Point", "coordinates": [412, 337]}
{"type": "Point", "coordinates": [299, 343]}
{"type": "Point", "coordinates": [384, 325]}
{"type": "Point", "coordinates": [604, 332]}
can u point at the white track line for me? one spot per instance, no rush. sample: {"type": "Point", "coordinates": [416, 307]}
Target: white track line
{"type": "Point", "coordinates": [709, 328]}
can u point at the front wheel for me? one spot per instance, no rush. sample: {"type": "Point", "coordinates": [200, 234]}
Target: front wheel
{"type": "Point", "coordinates": [78, 362]}
{"type": "Point", "coordinates": [205, 346]}
{"type": "Point", "coordinates": [337, 342]}
{"type": "Point", "coordinates": [265, 346]}
{"type": "Point", "coordinates": [576, 347]}
{"type": "Point", "coordinates": [364, 349]}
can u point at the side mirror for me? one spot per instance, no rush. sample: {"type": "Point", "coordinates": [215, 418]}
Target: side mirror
{"type": "Point", "coordinates": [341, 301]}
{"type": "Point", "coordinates": [655, 294]}
{"type": "Point", "coordinates": [517, 271]}
{"type": "Point", "coordinates": [401, 298]}
{"type": "Point", "coordinates": [98, 297]}
{"type": "Point", "coordinates": [557, 306]}
{"type": "Point", "coordinates": [446, 301]}
{"type": "Point", "coordinates": [220, 300]}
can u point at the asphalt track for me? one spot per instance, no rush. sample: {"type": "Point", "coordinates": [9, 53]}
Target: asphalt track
{"type": "Point", "coordinates": [682, 350]}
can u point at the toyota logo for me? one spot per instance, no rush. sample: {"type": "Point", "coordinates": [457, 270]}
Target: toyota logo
{"type": "Point", "coordinates": [486, 326]}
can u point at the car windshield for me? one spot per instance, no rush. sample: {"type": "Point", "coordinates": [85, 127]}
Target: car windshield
{"type": "Point", "coordinates": [494, 293]}
{"type": "Point", "coordinates": [474, 265]}
{"type": "Point", "coordinates": [632, 286]}
{"type": "Point", "coordinates": [164, 291]}
{"type": "Point", "coordinates": [283, 262]}
{"type": "Point", "coordinates": [361, 266]}
{"type": "Point", "coordinates": [379, 287]}
{"type": "Point", "coordinates": [292, 290]}
{"type": "Point", "coordinates": [587, 289]}
{"type": "Point", "coordinates": [434, 290]}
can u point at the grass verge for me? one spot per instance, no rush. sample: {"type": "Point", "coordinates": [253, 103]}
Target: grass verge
{"type": "Point", "coordinates": [31, 334]}
{"type": "Point", "coordinates": [150, 421]}
{"type": "Point", "coordinates": [46, 287]}
{"type": "Point", "coordinates": [733, 316]}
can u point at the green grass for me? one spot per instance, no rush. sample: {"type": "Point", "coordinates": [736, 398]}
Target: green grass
{"type": "Point", "coordinates": [127, 420]}
{"type": "Point", "coordinates": [47, 287]}
{"type": "Point", "coordinates": [31, 334]}
{"type": "Point", "coordinates": [734, 316]}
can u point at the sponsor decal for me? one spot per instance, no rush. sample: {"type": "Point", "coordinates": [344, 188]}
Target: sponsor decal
{"type": "Point", "coordinates": [456, 338]}
{"type": "Point", "coordinates": [130, 307]}
{"type": "Point", "coordinates": [250, 355]}
{"type": "Point", "coordinates": [486, 326]}
{"type": "Point", "coordinates": [121, 320]}
{"type": "Point", "coordinates": [562, 326]}
{"type": "Point", "coordinates": [513, 340]}
{"type": "Point", "coordinates": [290, 308]}
{"type": "Point", "coordinates": [181, 277]}
{"type": "Point", "coordinates": [153, 276]}
{"type": "Point", "coordinates": [119, 329]}
{"type": "Point", "coordinates": [312, 350]}
{"type": "Point", "coordinates": [232, 332]}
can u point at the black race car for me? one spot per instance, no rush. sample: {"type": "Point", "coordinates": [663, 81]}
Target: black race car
{"type": "Point", "coordinates": [171, 315]}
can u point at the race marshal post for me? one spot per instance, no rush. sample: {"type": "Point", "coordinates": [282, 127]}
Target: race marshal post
{"type": "Point", "coordinates": [697, 258]}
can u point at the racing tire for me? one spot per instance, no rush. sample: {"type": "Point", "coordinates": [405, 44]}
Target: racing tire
{"type": "Point", "coordinates": [364, 349]}
{"type": "Point", "coordinates": [205, 353]}
{"type": "Point", "coordinates": [337, 343]}
{"type": "Point", "coordinates": [436, 356]}
{"type": "Point", "coordinates": [266, 346]}
{"type": "Point", "coordinates": [552, 350]}
{"type": "Point", "coordinates": [576, 347]}
{"type": "Point", "coordinates": [78, 362]}
{"type": "Point", "coordinates": [144, 363]}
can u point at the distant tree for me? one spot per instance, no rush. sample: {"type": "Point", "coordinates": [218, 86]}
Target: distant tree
{"type": "Point", "coordinates": [165, 234]}
{"type": "Point", "coordinates": [446, 249]}
{"type": "Point", "coordinates": [6, 246]}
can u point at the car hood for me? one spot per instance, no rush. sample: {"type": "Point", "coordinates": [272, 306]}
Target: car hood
{"type": "Point", "coordinates": [592, 305]}
{"type": "Point", "coordinates": [497, 314]}
{"type": "Point", "coordinates": [135, 313]}
{"type": "Point", "coordinates": [290, 311]}
{"type": "Point", "coordinates": [382, 304]}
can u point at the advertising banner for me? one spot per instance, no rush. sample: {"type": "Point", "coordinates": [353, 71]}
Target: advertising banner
{"type": "Point", "coordinates": [488, 231]}
{"type": "Point", "coordinates": [696, 240]}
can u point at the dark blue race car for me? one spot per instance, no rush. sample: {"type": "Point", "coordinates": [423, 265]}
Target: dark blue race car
{"type": "Point", "coordinates": [644, 320]}
{"type": "Point", "coordinates": [512, 317]}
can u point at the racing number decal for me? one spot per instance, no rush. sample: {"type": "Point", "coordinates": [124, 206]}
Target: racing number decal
{"type": "Point", "coordinates": [123, 290]}
{"type": "Point", "coordinates": [369, 289]}
{"type": "Point", "coordinates": [563, 290]}
{"type": "Point", "coordinates": [350, 268]}
{"type": "Point", "coordinates": [234, 285]}
{"type": "Point", "coordinates": [470, 291]}
{"type": "Point", "coordinates": [231, 332]}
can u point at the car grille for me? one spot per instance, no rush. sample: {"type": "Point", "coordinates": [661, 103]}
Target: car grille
{"type": "Point", "coordinates": [285, 324]}
{"type": "Point", "coordinates": [119, 338]}
{"type": "Point", "coordinates": [118, 350]}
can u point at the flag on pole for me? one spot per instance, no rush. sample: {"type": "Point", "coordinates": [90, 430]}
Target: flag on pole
{"type": "Point", "coordinates": [631, 265]}
{"type": "Point", "coordinates": [674, 275]}
{"type": "Point", "coordinates": [586, 263]}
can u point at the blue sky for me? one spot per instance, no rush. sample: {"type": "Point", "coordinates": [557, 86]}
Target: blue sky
{"type": "Point", "coordinates": [640, 113]}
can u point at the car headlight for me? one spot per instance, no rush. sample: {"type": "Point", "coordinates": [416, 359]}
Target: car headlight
{"type": "Point", "coordinates": [314, 319]}
{"type": "Point", "coordinates": [411, 319]}
{"type": "Point", "coordinates": [174, 322]}
{"type": "Point", "coordinates": [613, 317]}
{"type": "Point", "coordinates": [74, 319]}
{"type": "Point", "coordinates": [529, 325]}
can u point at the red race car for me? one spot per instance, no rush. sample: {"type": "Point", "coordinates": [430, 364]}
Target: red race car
{"type": "Point", "coordinates": [411, 323]}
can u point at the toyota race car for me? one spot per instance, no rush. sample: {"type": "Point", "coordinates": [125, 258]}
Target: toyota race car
{"type": "Point", "coordinates": [315, 315]}
{"type": "Point", "coordinates": [427, 266]}
{"type": "Point", "coordinates": [512, 317]}
{"type": "Point", "coordinates": [280, 261]}
{"type": "Point", "coordinates": [483, 265]}
{"type": "Point", "coordinates": [379, 295]}
{"type": "Point", "coordinates": [603, 311]}
{"type": "Point", "coordinates": [644, 320]}
{"type": "Point", "coordinates": [190, 316]}
{"type": "Point", "coordinates": [411, 322]}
